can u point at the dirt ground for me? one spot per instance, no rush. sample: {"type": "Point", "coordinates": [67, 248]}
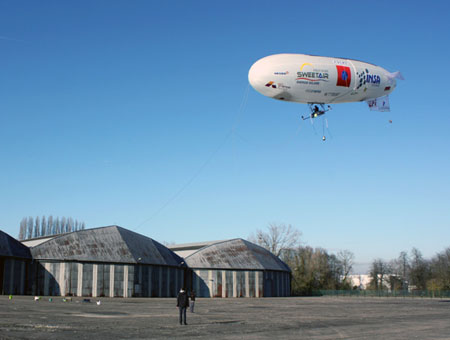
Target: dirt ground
{"type": "Point", "coordinates": [266, 318]}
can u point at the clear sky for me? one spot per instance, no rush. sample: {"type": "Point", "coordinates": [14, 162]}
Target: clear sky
{"type": "Point", "coordinates": [139, 113]}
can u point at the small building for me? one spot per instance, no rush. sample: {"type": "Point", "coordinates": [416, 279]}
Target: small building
{"type": "Point", "coordinates": [14, 261]}
{"type": "Point", "coordinates": [237, 268]}
{"type": "Point", "coordinates": [360, 281]}
{"type": "Point", "coordinates": [108, 261]}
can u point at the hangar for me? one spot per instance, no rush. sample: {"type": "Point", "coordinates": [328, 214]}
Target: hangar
{"type": "Point", "coordinates": [108, 261]}
{"type": "Point", "coordinates": [116, 262]}
{"type": "Point", "coordinates": [237, 268]}
{"type": "Point", "coordinates": [14, 261]}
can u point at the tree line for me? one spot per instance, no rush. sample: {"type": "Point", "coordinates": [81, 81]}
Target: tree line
{"type": "Point", "coordinates": [315, 269]}
{"type": "Point", "coordinates": [411, 271]}
{"type": "Point", "coordinates": [38, 227]}
{"type": "Point", "coordinates": [312, 269]}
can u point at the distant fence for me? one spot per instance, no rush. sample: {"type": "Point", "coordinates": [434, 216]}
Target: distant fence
{"type": "Point", "coordinates": [385, 293]}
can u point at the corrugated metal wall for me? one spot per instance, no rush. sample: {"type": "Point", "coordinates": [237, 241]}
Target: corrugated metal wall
{"type": "Point", "coordinates": [240, 283]}
{"type": "Point", "coordinates": [121, 280]}
{"type": "Point", "coordinates": [13, 276]}
{"type": "Point", "coordinates": [99, 279]}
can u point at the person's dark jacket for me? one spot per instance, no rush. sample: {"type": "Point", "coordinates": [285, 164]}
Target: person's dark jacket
{"type": "Point", "coordinates": [182, 300]}
{"type": "Point", "coordinates": [192, 296]}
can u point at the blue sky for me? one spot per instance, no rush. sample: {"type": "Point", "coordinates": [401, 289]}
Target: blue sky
{"type": "Point", "coordinates": [138, 113]}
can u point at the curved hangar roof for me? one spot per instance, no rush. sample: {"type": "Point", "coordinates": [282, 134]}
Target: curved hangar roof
{"type": "Point", "coordinates": [10, 247]}
{"type": "Point", "coordinates": [235, 254]}
{"type": "Point", "coordinates": [107, 244]}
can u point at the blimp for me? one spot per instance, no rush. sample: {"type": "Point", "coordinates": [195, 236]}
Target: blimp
{"type": "Point", "coordinates": [318, 81]}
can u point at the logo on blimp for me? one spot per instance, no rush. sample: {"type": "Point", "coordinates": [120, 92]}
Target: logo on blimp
{"type": "Point", "coordinates": [344, 77]}
{"type": "Point", "coordinates": [314, 76]}
{"type": "Point", "coordinates": [365, 77]}
{"type": "Point", "coordinates": [373, 79]}
{"type": "Point", "coordinates": [271, 84]}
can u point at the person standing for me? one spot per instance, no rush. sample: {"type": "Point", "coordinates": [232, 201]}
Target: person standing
{"type": "Point", "coordinates": [182, 304]}
{"type": "Point", "coordinates": [192, 300]}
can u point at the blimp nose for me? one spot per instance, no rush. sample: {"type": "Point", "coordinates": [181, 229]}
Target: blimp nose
{"type": "Point", "coordinates": [256, 75]}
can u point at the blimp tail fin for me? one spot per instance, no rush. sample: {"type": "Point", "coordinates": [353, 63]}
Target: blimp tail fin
{"type": "Point", "coordinates": [379, 104]}
{"type": "Point", "coordinates": [395, 75]}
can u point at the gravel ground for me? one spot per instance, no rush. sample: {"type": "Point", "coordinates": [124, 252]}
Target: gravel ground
{"type": "Point", "coordinates": [266, 318]}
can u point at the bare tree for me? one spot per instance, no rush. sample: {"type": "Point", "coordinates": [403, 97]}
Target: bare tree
{"type": "Point", "coordinates": [50, 225]}
{"type": "Point", "coordinates": [57, 229]}
{"type": "Point", "coordinates": [70, 225]}
{"type": "Point", "coordinates": [346, 259]}
{"type": "Point", "coordinates": [37, 227]}
{"type": "Point", "coordinates": [30, 227]}
{"type": "Point", "coordinates": [23, 229]}
{"type": "Point", "coordinates": [400, 269]}
{"type": "Point", "coordinates": [440, 271]}
{"type": "Point", "coordinates": [379, 274]}
{"type": "Point", "coordinates": [403, 261]}
{"type": "Point", "coordinates": [277, 238]}
{"type": "Point", "coordinates": [63, 225]}
{"type": "Point", "coordinates": [43, 226]}
{"type": "Point", "coordinates": [419, 269]}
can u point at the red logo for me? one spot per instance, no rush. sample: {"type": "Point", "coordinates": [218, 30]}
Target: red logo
{"type": "Point", "coordinates": [344, 77]}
